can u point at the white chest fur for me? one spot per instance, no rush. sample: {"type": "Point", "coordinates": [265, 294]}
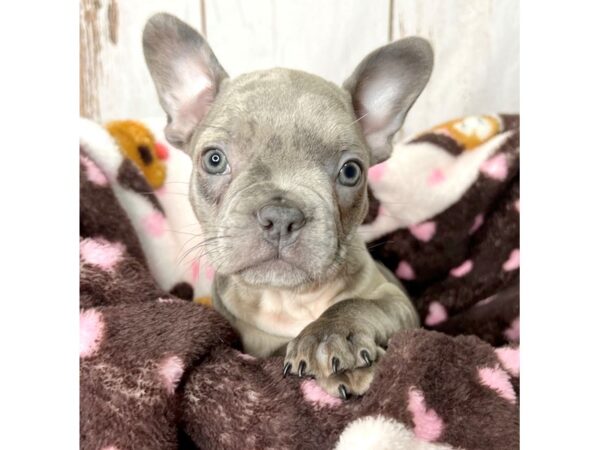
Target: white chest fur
{"type": "Point", "coordinates": [283, 313]}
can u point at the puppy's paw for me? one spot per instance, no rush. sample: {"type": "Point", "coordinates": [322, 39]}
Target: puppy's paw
{"type": "Point", "coordinates": [348, 383]}
{"type": "Point", "coordinates": [340, 358]}
{"type": "Point", "coordinates": [323, 349]}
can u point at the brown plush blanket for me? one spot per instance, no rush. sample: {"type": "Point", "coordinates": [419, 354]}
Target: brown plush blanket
{"type": "Point", "coordinates": [160, 369]}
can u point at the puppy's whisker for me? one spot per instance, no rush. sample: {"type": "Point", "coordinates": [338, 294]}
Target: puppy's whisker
{"type": "Point", "coordinates": [203, 232]}
{"type": "Point", "coordinates": [199, 256]}
{"type": "Point", "coordinates": [221, 247]}
{"type": "Point", "coordinates": [369, 247]}
{"type": "Point", "coordinates": [182, 232]}
{"type": "Point", "coordinates": [191, 225]}
{"type": "Point", "coordinates": [360, 118]}
{"type": "Point", "coordinates": [200, 252]}
{"type": "Point", "coordinates": [195, 247]}
{"type": "Point", "coordinates": [163, 193]}
{"type": "Point", "coordinates": [189, 240]}
{"type": "Point", "coordinates": [205, 243]}
{"type": "Point", "coordinates": [218, 263]}
{"type": "Point", "coordinates": [221, 227]}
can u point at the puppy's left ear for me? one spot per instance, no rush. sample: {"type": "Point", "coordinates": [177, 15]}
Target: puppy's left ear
{"type": "Point", "coordinates": [384, 86]}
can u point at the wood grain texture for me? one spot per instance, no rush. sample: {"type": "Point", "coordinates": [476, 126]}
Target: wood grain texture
{"type": "Point", "coordinates": [114, 80]}
{"type": "Point", "coordinates": [476, 45]}
{"type": "Point", "coordinates": [327, 38]}
{"type": "Point", "coordinates": [90, 68]}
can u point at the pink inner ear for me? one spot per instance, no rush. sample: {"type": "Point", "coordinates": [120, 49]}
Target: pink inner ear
{"type": "Point", "coordinates": [197, 99]}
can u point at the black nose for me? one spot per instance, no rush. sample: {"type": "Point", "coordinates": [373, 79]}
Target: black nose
{"type": "Point", "coordinates": [281, 222]}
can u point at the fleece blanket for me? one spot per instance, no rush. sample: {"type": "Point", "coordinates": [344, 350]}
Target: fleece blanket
{"type": "Point", "coordinates": [160, 369]}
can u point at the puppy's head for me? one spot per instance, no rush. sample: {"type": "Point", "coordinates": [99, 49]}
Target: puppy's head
{"type": "Point", "coordinates": [280, 156]}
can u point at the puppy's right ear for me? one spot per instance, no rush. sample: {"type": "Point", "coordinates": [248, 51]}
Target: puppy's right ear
{"type": "Point", "coordinates": [185, 71]}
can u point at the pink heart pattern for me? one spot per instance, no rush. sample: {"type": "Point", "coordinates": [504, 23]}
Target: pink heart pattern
{"type": "Point", "coordinates": [423, 231]}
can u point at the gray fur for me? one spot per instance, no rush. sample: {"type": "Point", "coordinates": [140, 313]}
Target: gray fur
{"type": "Point", "coordinates": [286, 134]}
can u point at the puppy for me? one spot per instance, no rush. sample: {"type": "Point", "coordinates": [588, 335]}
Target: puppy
{"type": "Point", "coordinates": [279, 186]}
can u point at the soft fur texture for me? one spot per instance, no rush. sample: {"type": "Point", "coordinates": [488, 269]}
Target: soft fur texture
{"type": "Point", "coordinates": [160, 372]}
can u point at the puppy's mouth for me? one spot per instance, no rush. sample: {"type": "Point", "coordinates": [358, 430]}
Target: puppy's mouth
{"type": "Point", "coordinates": [273, 264]}
{"type": "Point", "coordinates": [275, 271]}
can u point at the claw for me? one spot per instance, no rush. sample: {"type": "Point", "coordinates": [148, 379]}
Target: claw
{"type": "Point", "coordinates": [301, 369]}
{"type": "Point", "coordinates": [366, 357]}
{"type": "Point", "coordinates": [335, 364]}
{"type": "Point", "coordinates": [343, 392]}
{"type": "Point", "coordinates": [287, 368]}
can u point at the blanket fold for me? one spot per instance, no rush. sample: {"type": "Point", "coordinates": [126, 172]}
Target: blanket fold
{"type": "Point", "coordinates": [160, 369]}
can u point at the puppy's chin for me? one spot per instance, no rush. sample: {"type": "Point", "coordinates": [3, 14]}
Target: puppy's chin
{"type": "Point", "coordinates": [275, 273]}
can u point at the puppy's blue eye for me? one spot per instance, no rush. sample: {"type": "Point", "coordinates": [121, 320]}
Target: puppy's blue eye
{"type": "Point", "coordinates": [350, 174]}
{"type": "Point", "coordinates": [215, 162]}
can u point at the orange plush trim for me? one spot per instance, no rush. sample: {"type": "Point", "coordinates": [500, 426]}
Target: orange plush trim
{"type": "Point", "coordinates": [137, 143]}
{"type": "Point", "coordinates": [470, 132]}
{"type": "Point", "coordinates": [206, 301]}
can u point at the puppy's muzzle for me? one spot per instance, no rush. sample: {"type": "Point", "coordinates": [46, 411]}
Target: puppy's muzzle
{"type": "Point", "coordinates": [281, 221]}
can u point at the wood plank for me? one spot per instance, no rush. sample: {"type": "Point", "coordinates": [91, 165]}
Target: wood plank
{"type": "Point", "coordinates": [114, 80]}
{"type": "Point", "coordinates": [89, 59]}
{"type": "Point", "coordinates": [328, 38]}
{"type": "Point", "coordinates": [476, 46]}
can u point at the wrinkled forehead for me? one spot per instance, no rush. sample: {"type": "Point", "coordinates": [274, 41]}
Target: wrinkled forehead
{"type": "Point", "coordinates": [285, 113]}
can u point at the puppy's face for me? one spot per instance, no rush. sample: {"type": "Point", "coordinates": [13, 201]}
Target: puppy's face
{"type": "Point", "coordinates": [279, 178]}
{"type": "Point", "coordinates": [279, 156]}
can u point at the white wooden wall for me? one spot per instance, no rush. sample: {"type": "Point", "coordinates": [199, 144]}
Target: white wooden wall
{"type": "Point", "coordinates": [476, 44]}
